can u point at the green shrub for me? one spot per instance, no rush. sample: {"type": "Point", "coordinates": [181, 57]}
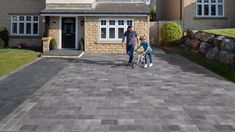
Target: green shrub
{"type": "Point", "coordinates": [153, 14]}
{"type": "Point", "coordinates": [4, 35]}
{"type": "Point", "coordinates": [53, 44]}
{"type": "Point", "coordinates": [81, 44]}
{"type": "Point", "coordinates": [170, 33]}
{"type": "Point", "coordinates": [2, 44]}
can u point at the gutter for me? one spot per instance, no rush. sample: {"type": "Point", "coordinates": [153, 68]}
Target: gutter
{"type": "Point", "coordinates": [181, 9]}
{"type": "Point", "coordinates": [94, 14]}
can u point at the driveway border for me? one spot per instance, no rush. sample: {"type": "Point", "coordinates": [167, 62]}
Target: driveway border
{"type": "Point", "coordinates": [20, 68]}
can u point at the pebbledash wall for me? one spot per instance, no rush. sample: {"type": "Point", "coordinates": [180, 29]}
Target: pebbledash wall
{"type": "Point", "coordinates": [22, 7]}
{"type": "Point", "coordinates": [94, 45]}
{"type": "Point", "coordinates": [190, 21]}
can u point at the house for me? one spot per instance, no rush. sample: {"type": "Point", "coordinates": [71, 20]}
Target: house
{"type": "Point", "coordinates": [101, 23]}
{"type": "Point", "coordinates": [198, 14]}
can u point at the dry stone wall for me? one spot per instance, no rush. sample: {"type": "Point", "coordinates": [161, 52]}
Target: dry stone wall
{"type": "Point", "coordinates": [213, 47]}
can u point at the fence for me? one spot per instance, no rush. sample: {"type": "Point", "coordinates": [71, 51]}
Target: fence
{"type": "Point", "coordinates": [154, 33]}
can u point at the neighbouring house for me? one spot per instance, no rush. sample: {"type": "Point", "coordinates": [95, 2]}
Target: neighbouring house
{"type": "Point", "coordinates": [198, 14]}
{"type": "Point", "coordinates": [101, 23]}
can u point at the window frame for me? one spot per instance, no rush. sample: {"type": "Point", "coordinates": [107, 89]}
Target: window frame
{"type": "Point", "coordinates": [116, 26]}
{"type": "Point", "coordinates": [203, 3]}
{"type": "Point", "coordinates": [25, 22]}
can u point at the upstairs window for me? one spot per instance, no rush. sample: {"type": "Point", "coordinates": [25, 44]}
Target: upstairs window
{"type": "Point", "coordinates": [210, 8]}
{"type": "Point", "coordinates": [25, 25]}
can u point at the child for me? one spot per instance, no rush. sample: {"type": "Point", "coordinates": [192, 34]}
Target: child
{"type": "Point", "coordinates": [147, 49]}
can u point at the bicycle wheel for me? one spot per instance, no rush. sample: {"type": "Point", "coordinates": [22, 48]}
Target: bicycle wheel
{"type": "Point", "coordinates": [134, 62]}
{"type": "Point", "coordinates": [133, 65]}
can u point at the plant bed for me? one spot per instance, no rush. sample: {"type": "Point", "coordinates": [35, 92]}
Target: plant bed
{"type": "Point", "coordinates": [225, 70]}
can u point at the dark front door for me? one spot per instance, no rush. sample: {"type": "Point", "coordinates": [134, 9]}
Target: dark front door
{"type": "Point", "coordinates": [68, 32]}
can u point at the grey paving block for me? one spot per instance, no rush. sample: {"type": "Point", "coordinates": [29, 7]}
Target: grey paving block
{"type": "Point", "coordinates": [16, 88]}
{"type": "Point", "coordinates": [224, 127]}
{"type": "Point", "coordinates": [28, 128]}
{"type": "Point", "coordinates": [86, 117]}
{"type": "Point", "coordinates": [109, 122]}
{"type": "Point", "coordinates": [99, 93]}
{"type": "Point", "coordinates": [74, 108]}
{"type": "Point", "coordinates": [125, 127]}
{"type": "Point", "coordinates": [197, 116]}
{"type": "Point", "coordinates": [171, 127]}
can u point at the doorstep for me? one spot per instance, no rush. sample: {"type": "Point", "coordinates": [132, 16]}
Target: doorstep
{"type": "Point", "coordinates": [63, 54]}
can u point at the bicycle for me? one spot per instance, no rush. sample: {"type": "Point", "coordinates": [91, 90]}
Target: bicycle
{"type": "Point", "coordinates": [139, 58]}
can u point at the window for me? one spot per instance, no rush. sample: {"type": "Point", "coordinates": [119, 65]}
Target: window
{"type": "Point", "coordinates": [112, 33]}
{"type": "Point", "coordinates": [130, 22]}
{"type": "Point", "coordinates": [210, 8]}
{"type": "Point", "coordinates": [111, 22]}
{"type": "Point", "coordinates": [120, 32]}
{"type": "Point", "coordinates": [25, 25]}
{"type": "Point", "coordinates": [113, 29]}
{"type": "Point", "coordinates": [120, 22]}
{"type": "Point", "coordinates": [103, 33]}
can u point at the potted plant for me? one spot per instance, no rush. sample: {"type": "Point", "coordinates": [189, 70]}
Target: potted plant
{"type": "Point", "coordinates": [81, 44]}
{"type": "Point", "coordinates": [53, 44]}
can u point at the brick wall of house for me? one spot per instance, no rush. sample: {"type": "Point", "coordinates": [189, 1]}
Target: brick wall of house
{"type": "Point", "coordinates": [92, 43]}
{"type": "Point", "coordinates": [4, 18]}
{"type": "Point", "coordinates": [22, 7]}
{"type": "Point", "coordinates": [230, 12]}
{"type": "Point", "coordinates": [191, 22]}
{"type": "Point", "coordinates": [54, 30]}
{"type": "Point", "coordinates": [32, 42]}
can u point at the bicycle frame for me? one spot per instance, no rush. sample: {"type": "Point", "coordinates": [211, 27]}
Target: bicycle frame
{"type": "Point", "coordinates": [138, 59]}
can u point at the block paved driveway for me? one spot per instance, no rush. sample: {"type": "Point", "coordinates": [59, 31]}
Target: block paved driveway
{"type": "Point", "coordinates": [99, 94]}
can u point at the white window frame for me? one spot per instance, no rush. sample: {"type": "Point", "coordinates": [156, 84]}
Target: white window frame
{"type": "Point", "coordinates": [202, 3]}
{"type": "Point", "coordinates": [116, 26]}
{"type": "Point", "coordinates": [32, 22]}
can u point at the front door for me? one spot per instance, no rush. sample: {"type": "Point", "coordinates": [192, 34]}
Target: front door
{"type": "Point", "coordinates": [68, 32]}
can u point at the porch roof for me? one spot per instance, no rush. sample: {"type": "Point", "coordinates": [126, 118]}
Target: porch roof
{"type": "Point", "coordinates": [104, 8]}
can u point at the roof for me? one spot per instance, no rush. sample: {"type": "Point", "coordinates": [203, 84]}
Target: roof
{"type": "Point", "coordinates": [104, 8]}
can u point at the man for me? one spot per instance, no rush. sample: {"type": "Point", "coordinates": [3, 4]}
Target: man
{"type": "Point", "coordinates": [131, 40]}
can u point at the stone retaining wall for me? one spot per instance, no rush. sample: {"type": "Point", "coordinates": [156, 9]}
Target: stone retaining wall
{"type": "Point", "coordinates": [213, 47]}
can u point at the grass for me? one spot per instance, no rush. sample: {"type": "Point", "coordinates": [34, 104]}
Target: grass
{"type": "Point", "coordinates": [12, 59]}
{"type": "Point", "coordinates": [226, 32]}
{"type": "Point", "coordinates": [225, 70]}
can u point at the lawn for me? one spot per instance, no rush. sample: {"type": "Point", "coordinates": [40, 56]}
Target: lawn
{"type": "Point", "coordinates": [12, 59]}
{"type": "Point", "coordinates": [227, 71]}
{"type": "Point", "coordinates": [226, 32]}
